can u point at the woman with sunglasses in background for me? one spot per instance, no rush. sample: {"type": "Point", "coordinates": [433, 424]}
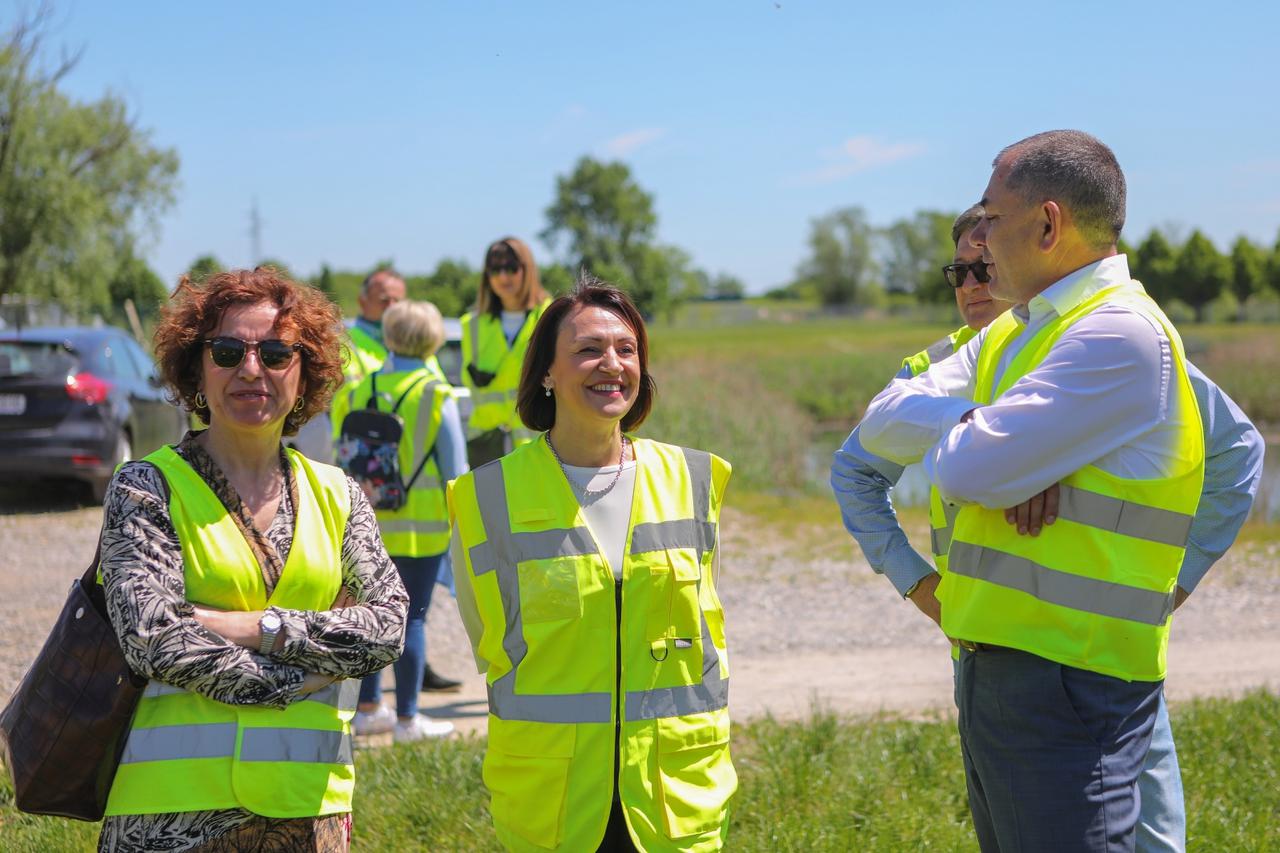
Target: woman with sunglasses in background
{"type": "Point", "coordinates": [495, 335]}
{"type": "Point", "coordinates": [248, 583]}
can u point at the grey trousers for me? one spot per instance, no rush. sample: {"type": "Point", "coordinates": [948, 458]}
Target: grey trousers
{"type": "Point", "coordinates": [1052, 754]}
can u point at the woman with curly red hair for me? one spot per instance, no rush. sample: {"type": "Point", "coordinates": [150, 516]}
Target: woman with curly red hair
{"type": "Point", "coordinates": [247, 582]}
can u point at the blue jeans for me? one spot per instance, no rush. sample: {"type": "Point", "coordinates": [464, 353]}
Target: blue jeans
{"type": "Point", "coordinates": [419, 577]}
{"type": "Point", "coordinates": [1162, 826]}
{"type": "Point", "coordinates": [1052, 753]}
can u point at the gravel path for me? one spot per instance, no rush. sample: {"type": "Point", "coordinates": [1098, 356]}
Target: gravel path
{"type": "Point", "coordinates": [808, 621]}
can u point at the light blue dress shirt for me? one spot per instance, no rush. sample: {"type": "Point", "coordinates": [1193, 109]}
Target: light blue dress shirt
{"type": "Point", "coordinates": [1232, 469]}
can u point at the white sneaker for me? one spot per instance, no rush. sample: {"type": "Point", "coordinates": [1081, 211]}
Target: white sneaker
{"type": "Point", "coordinates": [376, 722]}
{"type": "Point", "coordinates": [421, 727]}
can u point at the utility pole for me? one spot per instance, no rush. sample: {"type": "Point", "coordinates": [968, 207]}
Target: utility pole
{"type": "Point", "coordinates": [255, 234]}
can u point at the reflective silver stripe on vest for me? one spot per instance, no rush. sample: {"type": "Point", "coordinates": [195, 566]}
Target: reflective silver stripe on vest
{"type": "Point", "coordinates": [475, 338]}
{"type": "Point", "coordinates": [341, 694]}
{"type": "Point", "coordinates": [1088, 595]}
{"type": "Point", "coordinates": [173, 743]}
{"type": "Point", "coordinates": [941, 536]}
{"type": "Point", "coordinates": [503, 550]}
{"type": "Point", "coordinates": [484, 398]}
{"type": "Point", "coordinates": [1104, 512]}
{"type": "Point", "coordinates": [938, 350]}
{"type": "Point", "coordinates": [502, 553]}
{"type": "Point", "coordinates": [301, 746]}
{"type": "Point", "coordinates": [426, 484]}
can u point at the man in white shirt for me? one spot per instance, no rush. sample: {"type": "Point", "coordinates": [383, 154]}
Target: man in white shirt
{"type": "Point", "coordinates": [1056, 714]}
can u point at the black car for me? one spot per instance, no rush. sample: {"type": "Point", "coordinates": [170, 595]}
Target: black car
{"type": "Point", "coordinates": [77, 401]}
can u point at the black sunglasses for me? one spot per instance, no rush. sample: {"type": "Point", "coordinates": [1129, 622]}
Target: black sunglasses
{"type": "Point", "coordinates": [957, 273]}
{"type": "Point", "coordinates": [510, 269]}
{"type": "Point", "coordinates": [274, 354]}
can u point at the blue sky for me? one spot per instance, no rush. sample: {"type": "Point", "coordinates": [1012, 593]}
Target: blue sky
{"type": "Point", "coordinates": [426, 130]}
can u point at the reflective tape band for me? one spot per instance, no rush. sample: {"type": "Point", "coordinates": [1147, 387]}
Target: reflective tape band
{"type": "Point", "coordinates": [939, 350]}
{"type": "Point", "coordinates": [679, 533]}
{"type": "Point", "coordinates": [548, 708]}
{"type": "Point", "coordinates": [484, 398]}
{"type": "Point", "coordinates": [475, 338]}
{"type": "Point", "coordinates": [940, 537]}
{"type": "Point", "coordinates": [300, 746]}
{"type": "Point", "coordinates": [1104, 512]}
{"type": "Point", "coordinates": [175, 743]}
{"type": "Point", "coordinates": [529, 545]}
{"type": "Point", "coordinates": [426, 484]}
{"type": "Point", "coordinates": [409, 525]}
{"type": "Point", "coordinates": [341, 694]}
{"type": "Point", "coordinates": [1088, 595]}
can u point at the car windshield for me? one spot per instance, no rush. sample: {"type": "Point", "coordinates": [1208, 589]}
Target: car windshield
{"type": "Point", "coordinates": [34, 358]}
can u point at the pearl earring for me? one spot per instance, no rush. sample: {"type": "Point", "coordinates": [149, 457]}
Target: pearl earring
{"type": "Point", "coordinates": [546, 390]}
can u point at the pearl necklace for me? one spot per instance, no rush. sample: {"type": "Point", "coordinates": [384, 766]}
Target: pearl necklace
{"type": "Point", "coordinates": [587, 494]}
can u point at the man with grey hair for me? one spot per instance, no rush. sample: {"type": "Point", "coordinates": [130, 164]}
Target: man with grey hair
{"type": "Point", "coordinates": [1083, 384]}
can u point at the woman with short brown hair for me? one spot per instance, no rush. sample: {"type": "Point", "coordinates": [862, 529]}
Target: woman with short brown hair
{"type": "Point", "coordinates": [248, 583]}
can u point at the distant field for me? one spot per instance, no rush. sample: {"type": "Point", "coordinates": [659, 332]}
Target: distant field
{"type": "Point", "coordinates": [825, 784]}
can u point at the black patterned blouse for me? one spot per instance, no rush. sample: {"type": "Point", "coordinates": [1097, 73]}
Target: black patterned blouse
{"type": "Point", "coordinates": [143, 576]}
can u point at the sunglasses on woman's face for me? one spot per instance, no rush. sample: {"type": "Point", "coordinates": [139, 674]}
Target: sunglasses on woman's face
{"type": "Point", "coordinates": [509, 269]}
{"type": "Point", "coordinates": [274, 354]}
{"type": "Point", "coordinates": [957, 273]}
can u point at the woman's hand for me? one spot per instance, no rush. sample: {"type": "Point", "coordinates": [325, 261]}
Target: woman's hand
{"type": "Point", "coordinates": [315, 682]}
{"type": "Point", "coordinates": [237, 626]}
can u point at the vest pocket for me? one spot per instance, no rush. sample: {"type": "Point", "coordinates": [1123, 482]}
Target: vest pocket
{"type": "Point", "coordinates": [549, 590]}
{"type": "Point", "coordinates": [686, 613]}
{"type": "Point", "coordinates": [696, 778]}
{"type": "Point", "coordinates": [526, 769]}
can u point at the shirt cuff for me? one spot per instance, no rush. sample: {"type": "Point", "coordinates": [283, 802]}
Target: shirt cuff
{"type": "Point", "coordinates": [905, 568]}
{"type": "Point", "coordinates": [1195, 565]}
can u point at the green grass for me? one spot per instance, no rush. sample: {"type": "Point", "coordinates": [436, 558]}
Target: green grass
{"type": "Point", "coordinates": [823, 784]}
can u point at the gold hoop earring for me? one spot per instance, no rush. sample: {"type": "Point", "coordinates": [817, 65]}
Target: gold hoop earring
{"type": "Point", "coordinates": [297, 407]}
{"type": "Point", "coordinates": [200, 401]}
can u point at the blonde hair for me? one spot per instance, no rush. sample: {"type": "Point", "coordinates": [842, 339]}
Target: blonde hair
{"type": "Point", "coordinates": [415, 329]}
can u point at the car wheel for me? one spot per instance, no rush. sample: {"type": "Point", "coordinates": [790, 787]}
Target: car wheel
{"type": "Point", "coordinates": [123, 453]}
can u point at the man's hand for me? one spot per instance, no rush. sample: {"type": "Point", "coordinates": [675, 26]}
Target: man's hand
{"type": "Point", "coordinates": [924, 597]}
{"type": "Point", "coordinates": [1035, 512]}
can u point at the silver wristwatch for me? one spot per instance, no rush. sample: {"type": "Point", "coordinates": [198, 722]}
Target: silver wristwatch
{"type": "Point", "coordinates": [269, 625]}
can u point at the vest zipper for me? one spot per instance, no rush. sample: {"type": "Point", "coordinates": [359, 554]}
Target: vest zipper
{"type": "Point", "coordinates": [617, 670]}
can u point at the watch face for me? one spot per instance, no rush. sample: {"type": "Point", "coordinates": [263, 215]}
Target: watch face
{"type": "Point", "coordinates": [270, 622]}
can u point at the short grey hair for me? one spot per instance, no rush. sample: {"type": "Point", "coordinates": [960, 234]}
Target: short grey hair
{"type": "Point", "coordinates": [1076, 170]}
{"type": "Point", "coordinates": [965, 223]}
{"type": "Point", "coordinates": [415, 329]}
{"type": "Point", "coordinates": [380, 272]}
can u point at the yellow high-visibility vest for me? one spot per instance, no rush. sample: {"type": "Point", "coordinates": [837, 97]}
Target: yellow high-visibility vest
{"type": "Point", "coordinates": [420, 528]}
{"type": "Point", "coordinates": [186, 752]}
{"type": "Point", "coordinates": [485, 346]}
{"type": "Point", "coordinates": [942, 515]}
{"type": "Point", "coordinates": [366, 354]}
{"type": "Point", "coordinates": [1094, 590]}
{"type": "Point", "coordinates": [578, 703]}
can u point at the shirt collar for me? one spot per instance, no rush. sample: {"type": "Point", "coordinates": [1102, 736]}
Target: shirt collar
{"type": "Point", "coordinates": [370, 327]}
{"type": "Point", "coordinates": [398, 363]}
{"type": "Point", "coordinates": [1073, 288]}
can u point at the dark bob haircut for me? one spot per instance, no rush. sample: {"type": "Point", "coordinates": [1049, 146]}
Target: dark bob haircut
{"type": "Point", "coordinates": [195, 310]}
{"type": "Point", "coordinates": [537, 410]}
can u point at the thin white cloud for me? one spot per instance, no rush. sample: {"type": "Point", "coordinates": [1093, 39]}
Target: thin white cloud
{"type": "Point", "coordinates": [627, 143]}
{"type": "Point", "coordinates": [859, 154]}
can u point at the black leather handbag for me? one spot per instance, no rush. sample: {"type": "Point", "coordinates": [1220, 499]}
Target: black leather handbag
{"type": "Point", "coordinates": [63, 731]}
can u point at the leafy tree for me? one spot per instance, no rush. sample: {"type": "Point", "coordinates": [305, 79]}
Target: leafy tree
{"type": "Point", "coordinates": [452, 287]}
{"type": "Point", "coordinates": [1201, 274]}
{"type": "Point", "coordinates": [840, 264]}
{"type": "Point", "coordinates": [278, 265]}
{"type": "Point", "coordinates": [1153, 265]}
{"type": "Point", "coordinates": [557, 279]}
{"type": "Point", "coordinates": [324, 281]}
{"type": "Point", "coordinates": [77, 180]}
{"type": "Point", "coordinates": [1248, 272]}
{"type": "Point", "coordinates": [605, 222]}
{"type": "Point", "coordinates": [203, 267]}
{"type": "Point", "coordinates": [1273, 267]}
{"type": "Point", "coordinates": [917, 249]}
{"type": "Point", "coordinates": [726, 286]}
{"type": "Point", "coordinates": [134, 279]}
